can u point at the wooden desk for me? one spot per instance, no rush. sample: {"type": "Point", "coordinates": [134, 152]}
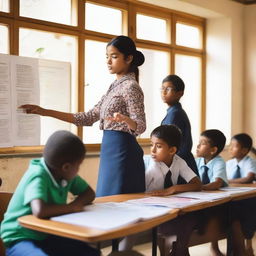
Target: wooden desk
{"type": "Point", "coordinates": [95, 235]}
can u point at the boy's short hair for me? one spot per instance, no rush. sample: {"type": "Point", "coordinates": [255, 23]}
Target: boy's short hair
{"type": "Point", "coordinates": [170, 134]}
{"type": "Point", "coordinates": [216, 138]}
{"type": "Point", "coordinates": [63, 147]}
{"type": "Point", "coordinates": [176, 81]}
{"type": "Point", "coordinates": [244, 140]}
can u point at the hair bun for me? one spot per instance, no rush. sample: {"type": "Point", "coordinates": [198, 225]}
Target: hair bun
{"type": "Point", "coordinates": [138, 58]}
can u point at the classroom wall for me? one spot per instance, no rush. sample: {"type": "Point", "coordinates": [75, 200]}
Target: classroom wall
{"type": "Point", "coordinates": [249, 71]}
{"type": "Point", "coordinates": [234, 25]}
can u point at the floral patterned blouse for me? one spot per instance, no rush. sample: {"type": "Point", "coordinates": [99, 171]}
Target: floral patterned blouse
{"type": "Point", "coordinates": [123, 96]}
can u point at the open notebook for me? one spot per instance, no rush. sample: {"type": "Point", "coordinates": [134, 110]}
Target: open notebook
{"type": "Point", "coordinates": [108, 216]}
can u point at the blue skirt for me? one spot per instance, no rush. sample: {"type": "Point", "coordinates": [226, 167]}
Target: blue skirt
{"type": "Point", "coordinates": [121, 165]}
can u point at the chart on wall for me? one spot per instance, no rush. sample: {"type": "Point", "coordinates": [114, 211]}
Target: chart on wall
{"type": "Point", "coordinates": [24, 80]}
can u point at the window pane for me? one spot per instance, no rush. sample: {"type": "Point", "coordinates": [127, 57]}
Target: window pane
{"type": "Point", "coordinates": [150, 28]}
{"type": "Point", "coordinates": [52, 46]}
{"type": "Point", "coordinates": [4, 6]}
{"type": "Point", "coordinates": [152, 72]}
{"type": "Point", "coordinates": [189, 69]}
{"type": "Point", "coordinates": [103, 19]}
{"type": "Point", "coordinates": [189, 36]}
{"type": "Point", "coordinates": [58, 11]}
{"type": "Point", "coordinates": [97, 80]}
{"type": "Point", "coordinates": [4, 39]}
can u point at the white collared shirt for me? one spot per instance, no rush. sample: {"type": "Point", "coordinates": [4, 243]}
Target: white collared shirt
{"type": "Point", "coordinates": [247, 165]}
{"type": "Point", "coordinates": [156, 172]}
{"type": "Point", "coordinates": [216, 169]}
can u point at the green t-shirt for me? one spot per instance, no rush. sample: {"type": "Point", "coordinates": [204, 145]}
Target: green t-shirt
{"type": "Point", "coordinates": [37, 183]}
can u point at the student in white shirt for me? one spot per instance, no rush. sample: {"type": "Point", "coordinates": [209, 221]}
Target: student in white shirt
{"type": "Point", "coordinates": [163, 168]}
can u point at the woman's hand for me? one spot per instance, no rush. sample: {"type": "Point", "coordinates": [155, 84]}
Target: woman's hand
{"type": "Point", "coordinates": [120, 118]}
{"type": "Point", "coordinates": [117, 117]}
{"type": "Point", "coordinates": [32, 109]}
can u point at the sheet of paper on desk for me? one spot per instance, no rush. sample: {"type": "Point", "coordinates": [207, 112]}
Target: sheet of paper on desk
{"type": "Point", "coordinates": [237, 190]}
{"type": "Point", "coordinates": [209, 196]}
{"type": "Point", "coordinates": [171, 201]}
{"type": "Point", "coordinates": [108, 216]}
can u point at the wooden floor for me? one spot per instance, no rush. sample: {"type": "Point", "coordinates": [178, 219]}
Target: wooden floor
{"type": "Point", "coordinates": [200, 250]}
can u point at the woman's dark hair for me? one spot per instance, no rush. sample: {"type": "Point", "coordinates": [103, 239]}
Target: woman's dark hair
{"type": "Point", "coordinates": [127, 47]}
{"type": "Point", "coordinates": [63, 147]}
{"type": "Point", "coordinates": [244, 140]}
{"type": "Point", "coordinates": [170, 134]}
{"type": "Point", "coordinates": [216, 138]}
{"type": "Point", "coordinates": [176, 81]}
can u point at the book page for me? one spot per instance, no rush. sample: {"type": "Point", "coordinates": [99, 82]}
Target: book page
{"type": "Point", "coordinates": [108, 216]}
{"type": "Point", "coordinates": [25, 90]}
{"type": "Point", "coordinates": [6, 139]}
{"type": "Point", "coordinates": [171, 201]}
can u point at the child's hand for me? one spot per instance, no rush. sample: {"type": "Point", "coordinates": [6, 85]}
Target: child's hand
{"type": "Point", "coordinates": [164, 192]}
{"type": "Point", "coordinates": [76, 206]}
{"type": "Point", "coordinates": [32, 109]}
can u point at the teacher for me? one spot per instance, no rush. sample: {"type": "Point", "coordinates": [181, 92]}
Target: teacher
{"type": "Point", "coordinates": [122, 118]}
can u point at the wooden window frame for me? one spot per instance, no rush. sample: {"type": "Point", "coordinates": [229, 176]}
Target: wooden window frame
{"type": "Point", "coordinates": [130, 8]}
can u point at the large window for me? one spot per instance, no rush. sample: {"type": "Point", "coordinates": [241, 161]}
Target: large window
{"type": "Point", "coordinates": [76, 32]}
{"type": "Point", "coordinates": [4, 39]}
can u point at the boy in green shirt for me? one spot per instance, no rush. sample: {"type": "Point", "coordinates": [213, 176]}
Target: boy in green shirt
{"type": "Point", "coordinates": [43, 192]}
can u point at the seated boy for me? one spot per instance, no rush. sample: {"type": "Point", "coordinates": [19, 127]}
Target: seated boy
{"type": "Point", "coordinates": [242, 169]}
{"type": "Point", "coordinates": [163, 168]}
{"type": "Point", "coordinates": [212, 171]}
{"type": "Point", "coordinates": [42, 192]}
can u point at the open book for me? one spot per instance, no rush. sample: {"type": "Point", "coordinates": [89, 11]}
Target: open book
{"type": "Point", "coordinates": [108, 216]}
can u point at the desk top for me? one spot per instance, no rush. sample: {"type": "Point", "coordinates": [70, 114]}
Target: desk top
{"type": "Point", "coordinates": [94, 235]}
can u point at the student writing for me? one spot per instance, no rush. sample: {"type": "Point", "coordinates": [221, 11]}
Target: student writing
{"type": "Point", "coordinates": [43, 191]}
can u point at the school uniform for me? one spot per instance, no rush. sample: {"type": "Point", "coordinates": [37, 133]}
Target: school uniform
{"type": "Point", "coordinates": [177, 116]}
{"type": "Point", "coordinates": [216, 169]}
{"type": "Point", "coordinates": [156, 172]}
{"type": "Point", "coordinates": [38, 183]}
{"type": "Point", "coordinates": [244, 210]}
{"type": "Point", "coordinates": [246, 165]}
{"type": "Point", "coordinates": [181, 226]}
{"type": "Point", "coordinates": [121, 158]}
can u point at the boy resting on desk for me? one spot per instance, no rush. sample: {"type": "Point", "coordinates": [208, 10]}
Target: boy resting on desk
{"type": "Point", "coordinates": [212, 171]}
{"type": "Point", "coordinates": [163, 168]}
{"type": "Point", "coordinates": [43, 192]}
{"type": "Point", "coordinates": [242, 169]}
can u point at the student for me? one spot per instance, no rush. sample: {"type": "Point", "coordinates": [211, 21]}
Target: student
{"type": "Point", "coordinates": [212, 171]}
{"type": "Point", "coordinates": [122, 118]}
{"type": "Point", "coordinates": [171, 91]}
{"type": "Point", "coordinates": [241, 168]}
{"type": "Point", "coordinates": [43, 192]}
{"type": "Point", "coordinates": [163, 168]}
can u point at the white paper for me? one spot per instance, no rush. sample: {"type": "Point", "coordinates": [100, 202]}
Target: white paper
{"type": "Point", "coordinates": [106, 216]}
{"type": "Point", "coordinates": [6, 138]}
{"type": "Point", "coordinates": [206, 196]}
{"type": "Point", "coordinates": [171, 201]}
{"type": "Point", "coordinates": [55, 80]}
{"type": "Point", "coordinates": [237, 190]}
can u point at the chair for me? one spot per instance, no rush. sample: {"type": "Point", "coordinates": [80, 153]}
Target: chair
{"type": "Point", "coordinates": [5, 197]}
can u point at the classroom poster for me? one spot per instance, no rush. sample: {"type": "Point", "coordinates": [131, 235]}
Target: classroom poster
{"type": "Point", "coordinates": [19, 84]}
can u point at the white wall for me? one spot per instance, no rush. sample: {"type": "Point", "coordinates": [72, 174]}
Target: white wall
{"type": "Point", "coordinates": [250, 70]}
